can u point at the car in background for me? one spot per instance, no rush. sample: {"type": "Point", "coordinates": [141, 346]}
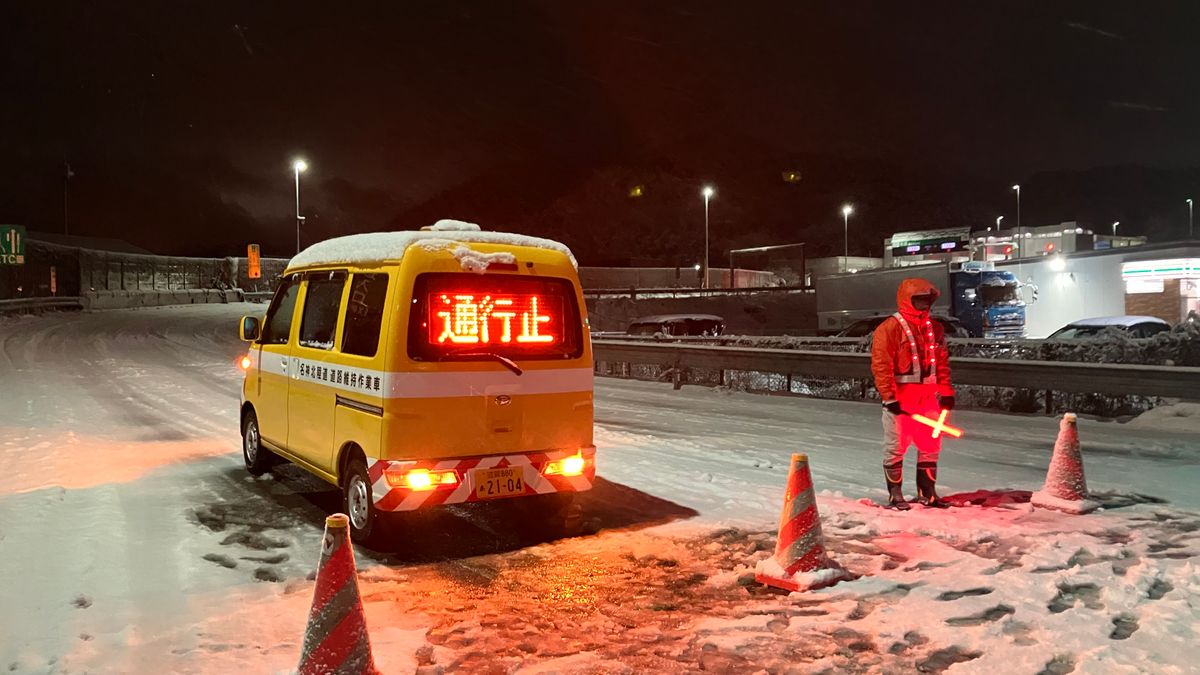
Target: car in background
{"type": "Point", "coordinates": [951, 327]}
{"type": "Point", "coordinates": [677, 325]}
{"type": "Point", "coordinates": [1090, 329]}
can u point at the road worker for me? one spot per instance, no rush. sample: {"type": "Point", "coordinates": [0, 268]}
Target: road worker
{"type": "Point", "coordinates": [912, 373]}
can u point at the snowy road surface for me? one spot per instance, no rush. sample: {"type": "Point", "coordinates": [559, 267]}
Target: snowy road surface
{"type": "Point", "coordinates": [132, 541]}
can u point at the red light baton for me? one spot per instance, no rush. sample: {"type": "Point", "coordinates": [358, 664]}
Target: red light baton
{"type": "Point", "coordinates": [939, 425]}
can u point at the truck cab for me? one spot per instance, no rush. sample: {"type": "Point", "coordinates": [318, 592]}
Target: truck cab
{"type": "Point", "coordinates": [988, 302]}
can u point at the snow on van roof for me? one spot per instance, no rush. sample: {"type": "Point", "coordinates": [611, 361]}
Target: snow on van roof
{"type": "Point", "coordinates": [444, 234]}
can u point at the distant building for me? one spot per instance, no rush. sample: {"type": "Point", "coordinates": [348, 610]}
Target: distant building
{"type": "Point", "coordinates": [925, 246]}
{"type": "Point", "coordinates": [960, 244]}
{"type": "Point", "coordinates": [1034, 242]}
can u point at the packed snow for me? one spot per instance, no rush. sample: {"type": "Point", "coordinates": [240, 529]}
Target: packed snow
{"type": "Point", "coordinates": [477, 262]}
{"type": "Point", "coordinates": [133, 541]}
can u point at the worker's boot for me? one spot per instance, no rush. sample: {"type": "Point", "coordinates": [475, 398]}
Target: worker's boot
{"type": "Point", "coordinates": [894, 475]}
{"type": "Point", "coordinates": [927, 484]}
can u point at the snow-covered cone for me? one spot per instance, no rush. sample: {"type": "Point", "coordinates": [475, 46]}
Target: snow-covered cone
{"type": "Point", "coordinates": [335, 641]}
{"type": "Point", "coordinates": [1065, 488]}
{"type": "Point", "coordinates": [800, 562]}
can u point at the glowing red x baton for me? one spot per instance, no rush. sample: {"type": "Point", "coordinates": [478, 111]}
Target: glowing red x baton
{"type": "Point", "coordinates": [939, 425]}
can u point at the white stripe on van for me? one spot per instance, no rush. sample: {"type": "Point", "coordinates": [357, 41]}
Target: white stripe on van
{"type": "Point", "coordinates": [398, 385]}
{"type": "Point", "coordinates": [488, 383]}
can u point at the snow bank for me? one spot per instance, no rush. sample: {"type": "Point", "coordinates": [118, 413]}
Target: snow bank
{"type": "Point", "coordinates": [390, 246]}
{"type": "Point", "coordinates": [1174, 417]}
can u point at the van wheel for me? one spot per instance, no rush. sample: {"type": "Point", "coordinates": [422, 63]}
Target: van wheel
{"type": "Point", "coordinates": [366, 523]}
{"type": "Point", "coordinates": [258, 459]}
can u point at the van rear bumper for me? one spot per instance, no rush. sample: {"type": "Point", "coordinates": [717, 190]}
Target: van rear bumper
{"type": "Point", "coordinates": [390, 497]}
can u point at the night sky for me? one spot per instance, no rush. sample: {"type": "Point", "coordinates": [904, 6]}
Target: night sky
{"type": "Point", "coordinates": [180, 120]}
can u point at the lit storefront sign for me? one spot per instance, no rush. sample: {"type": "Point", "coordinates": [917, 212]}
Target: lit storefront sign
{"type": "Point", "coordinates": [1174, 268]}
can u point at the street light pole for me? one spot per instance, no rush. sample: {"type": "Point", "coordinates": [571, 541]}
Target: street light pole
{"type": "Point", "coordinates": [1189, 201]}
{"type": "Point", "coordinates": [998, 219]}
{"type": "Point", "coordinates": [708, 192]}
{"type": "Point", "coordinates": [1115, 224]}
{"type": "Point", "coordinates": [299, 165]}
{"type": "Point", "coordinates": [846, 211]}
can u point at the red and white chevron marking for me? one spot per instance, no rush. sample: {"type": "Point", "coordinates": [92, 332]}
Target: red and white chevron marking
{"type": "Point", "coordinates": [388, 498]}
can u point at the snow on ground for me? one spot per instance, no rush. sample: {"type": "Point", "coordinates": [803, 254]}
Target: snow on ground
{"type": "Point", "coordinates": [138, 544]}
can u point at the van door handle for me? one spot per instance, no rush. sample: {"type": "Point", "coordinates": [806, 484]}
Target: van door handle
{"type": "Point", "coordinates": [283, 364]}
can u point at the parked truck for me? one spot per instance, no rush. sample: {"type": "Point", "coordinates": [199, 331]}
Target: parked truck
{"type": "Point", "coordinates": [987, 302]}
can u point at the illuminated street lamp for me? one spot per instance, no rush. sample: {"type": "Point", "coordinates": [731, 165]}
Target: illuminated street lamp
{"type": "Point", "coordinates": [299, 165]}
{"type": "Point", "coordinates": [1017, 189]}
{"type": "Point", "coordinates": [1189, 201]}
{"type": "Point", "coordinates": [998, 219]}
{"type": "Point", "coordinates": [1115, 224]}
{"type": "Point", "coordinates": [846, 211]}
{"type": "Point", "coordinates": [708, 192]}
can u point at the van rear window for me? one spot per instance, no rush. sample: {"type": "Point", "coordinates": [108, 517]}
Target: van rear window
{"type": "Point", "coordinates": [471, 316]}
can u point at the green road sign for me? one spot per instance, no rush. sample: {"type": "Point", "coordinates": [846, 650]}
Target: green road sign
{"type": "Point", "coordinates": [12, 245]}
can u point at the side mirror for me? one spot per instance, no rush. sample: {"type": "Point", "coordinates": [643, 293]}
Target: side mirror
{"type": "Point", "coordinates": [250, 329]}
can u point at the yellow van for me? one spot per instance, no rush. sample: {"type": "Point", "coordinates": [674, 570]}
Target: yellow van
{"type": "Point", "coordinates": [416, 369]}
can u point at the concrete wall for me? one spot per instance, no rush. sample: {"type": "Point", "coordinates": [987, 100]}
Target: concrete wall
{"type": "Point", "coordinates": [777, 313]}
{"type": "Point", "coordinates": [668, 277]}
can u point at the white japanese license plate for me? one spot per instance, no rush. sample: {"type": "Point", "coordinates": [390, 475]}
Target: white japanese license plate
{"type": "Point", "coordinates": [493, 483]}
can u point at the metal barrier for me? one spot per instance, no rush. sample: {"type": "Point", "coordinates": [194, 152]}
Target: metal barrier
{"type": "Point", "coordinates": [1085, 378]}
{"type": "Point", "coordinates": [23, 304]}
{"type": "Point", "coordinates": [635, 293]}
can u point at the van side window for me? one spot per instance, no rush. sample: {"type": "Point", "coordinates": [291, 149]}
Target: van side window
{"type": "Point", "coordinates": [321, 306]}
{"type": "Point", "coordinates": [364, 314]}
{"type": "Point", "coordinates": [278, 325]}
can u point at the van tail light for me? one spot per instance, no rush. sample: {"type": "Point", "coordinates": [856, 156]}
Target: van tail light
{"type": "Point", "coordinates": [567, 466]}
{"type": "Point", "coordinates": [421, 480]}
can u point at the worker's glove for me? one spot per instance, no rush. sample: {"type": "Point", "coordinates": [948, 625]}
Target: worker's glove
{"type": "Point", "coordinates": [894, 408]}
{"type": "Point", "coordinates": [948, 402]}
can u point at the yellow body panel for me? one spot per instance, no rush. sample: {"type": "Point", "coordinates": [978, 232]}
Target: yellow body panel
{"type": "Point", "coordinates": [432, 410]}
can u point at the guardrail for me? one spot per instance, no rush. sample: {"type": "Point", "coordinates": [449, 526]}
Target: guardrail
{"type": "Point", "coordinates": [23, 304]}
{"type": "Point", "coordinates": [720, 340]}
{"type": "Point", "coordinates": [1050, 376]}
{"type": "Point", "coordinates": [691, 292]}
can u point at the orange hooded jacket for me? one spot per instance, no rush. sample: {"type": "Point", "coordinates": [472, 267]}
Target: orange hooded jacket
{"type": "Point", "coordinates": [890, 352]}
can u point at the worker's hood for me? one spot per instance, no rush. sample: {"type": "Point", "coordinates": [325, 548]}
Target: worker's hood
{"type": "Point", "coordinates": [904, 295]}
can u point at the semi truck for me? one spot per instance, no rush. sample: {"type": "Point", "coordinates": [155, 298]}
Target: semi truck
{"type": "Point", "coordinates": [987, 302]}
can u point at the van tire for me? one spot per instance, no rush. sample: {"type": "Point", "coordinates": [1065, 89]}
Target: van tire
{"type": "Point", "coordinates": [367, 525]}
{"type": "Point", "coordinates": [258, 460]}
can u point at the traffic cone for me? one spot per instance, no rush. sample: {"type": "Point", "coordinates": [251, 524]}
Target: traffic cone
{"type": "Point", "coordinates": [335, 641]}
{"type": "Point", "coordinates": [800, 562]}
{"type": "Point", "coordinates": [1066, 487]}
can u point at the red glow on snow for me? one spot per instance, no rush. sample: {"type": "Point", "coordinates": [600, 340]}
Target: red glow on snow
{"type": "Point", "coordinates": [939, 425]}
{"type": "Point", "coordinates": [468, 318]}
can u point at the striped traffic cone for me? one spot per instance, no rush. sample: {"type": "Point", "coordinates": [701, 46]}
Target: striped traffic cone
{"type": "Point", "coordinates": [335, 641]}
{"type": "Point", "coordinates": [1066, 487]}
{"type": "Point", "coordinates": [800, 562]}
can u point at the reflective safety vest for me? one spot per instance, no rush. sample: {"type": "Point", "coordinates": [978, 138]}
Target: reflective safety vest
{"type": "Point", "coordinates": [914, 377]}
